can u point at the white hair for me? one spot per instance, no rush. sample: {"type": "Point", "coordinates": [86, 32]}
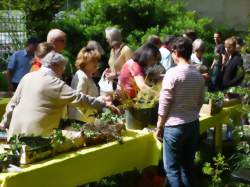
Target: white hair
{"type": "Point", "coordinates": [198, 44]}
{"type": "Point", "coordinates": [95, 45]}
{"type": "Point", "coordinates": [53, 58]}
{"type": "Point", "coordinates": [54, 34]}
{"type": "Point", "coordinates": [114, 34]}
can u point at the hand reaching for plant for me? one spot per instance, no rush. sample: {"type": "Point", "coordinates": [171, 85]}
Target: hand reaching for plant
{"type": "Point", "coordinates": [3, 127]}
{"type": "Point", "coordinates": [108, 98]}
{"type": "Point", "coordinates": [113, 109]}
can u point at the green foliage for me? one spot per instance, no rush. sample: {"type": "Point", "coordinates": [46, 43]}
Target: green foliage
{"type": "Point", "coordinates": [214, 96]}
{"type": "Point", "coordinates": [216, 169]}
{"type": "Point", "coordinates": [4, 157]}
{"type": "Point", "coordinates": [140, 18]}
{"type": "Point", "coordinates": [57, 138]}
{"type": "Point", "coordinates": [76, 126]}
{"type": "Point", "coordinates": [15, 144]}
{"type": "Point", "coordinates": [109, 117]}
{"type": "Point", "coordinates": [38, 14]}
{"type": "Point", "coordinates": [89, 133]}
{"type": "Point", "coordinates": [241, 159]}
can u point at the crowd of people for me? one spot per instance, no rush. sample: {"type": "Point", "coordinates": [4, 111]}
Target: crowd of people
{"type": "Point", "coordinates": [41, 96]}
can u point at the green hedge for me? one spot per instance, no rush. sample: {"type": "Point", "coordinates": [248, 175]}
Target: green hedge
{"type": "Point", "coordinates": [137, 19]}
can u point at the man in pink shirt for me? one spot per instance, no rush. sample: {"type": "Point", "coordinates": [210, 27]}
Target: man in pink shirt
{"type": "Point", "coordinates": [180, 101]}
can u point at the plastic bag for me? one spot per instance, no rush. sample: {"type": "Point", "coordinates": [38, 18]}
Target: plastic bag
{"type": "Point", "coordinates": [106, 86]}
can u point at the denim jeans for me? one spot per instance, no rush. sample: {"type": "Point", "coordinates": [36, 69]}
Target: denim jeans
{"type": "Point", "coordinates": [179, 146]}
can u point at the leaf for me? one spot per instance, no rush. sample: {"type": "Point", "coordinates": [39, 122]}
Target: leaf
{"type": "Point", "coordinates": [207, 169]}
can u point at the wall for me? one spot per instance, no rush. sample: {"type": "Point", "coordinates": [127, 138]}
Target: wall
{"type": "Point", "coordinates": [234, 13]}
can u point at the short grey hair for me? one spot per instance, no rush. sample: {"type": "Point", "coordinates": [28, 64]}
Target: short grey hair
{"type": "Point", "coordinates": [198, 45]}
{"type": "Point", "coordinates": [53, 58]}
{"type": "Point", "coordinates": [95, 45]}
{"type": "Point", "coordinates": [54, 34]}
{"type": "Point", "coordinates": [114, 34]}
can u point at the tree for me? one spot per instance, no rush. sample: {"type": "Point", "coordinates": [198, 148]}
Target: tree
{"type": "Point", "coordinates": [136, 18]}
{"type": "Point", "coordinates": [38, 14]}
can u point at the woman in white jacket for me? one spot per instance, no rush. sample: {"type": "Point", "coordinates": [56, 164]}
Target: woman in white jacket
{"type": "Point", "coordinates": [87, 64]}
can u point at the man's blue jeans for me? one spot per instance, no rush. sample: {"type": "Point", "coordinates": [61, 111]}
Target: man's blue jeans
{"type": "Point", "coordinates": [179, 146]}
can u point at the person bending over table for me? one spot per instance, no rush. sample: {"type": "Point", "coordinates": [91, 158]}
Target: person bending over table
{"type": "Point", "coordinates": [37, 105]}
{"type": "Point", "coordinates": [132, 76]}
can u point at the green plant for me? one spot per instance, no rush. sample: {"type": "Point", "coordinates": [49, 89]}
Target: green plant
{"type": "Point", "coordinates": [38, 14]}
{"type": "Point", "coordinates": [215, 97]}
{"type": "Point", "coordinates": [216, 169]}
{"type": "Point", "coordinates": [241, 159]}
{"type": "Point", "coordinates": [76, 126]}
{"type": "Point", "coordinates": [15, 145]}
{"type": "Point", "coordinates": [57, 138]}
{"type": "Point", "coordinates": [109, 117]}
{"type": "Point", "coordinates": [89, 133]}
{"type": "Point", "coordinates": [140, 18]}
{"type": "Point", "coordinates": [244, 92]}
{"type": "Point", "coordinates": [4, 157]}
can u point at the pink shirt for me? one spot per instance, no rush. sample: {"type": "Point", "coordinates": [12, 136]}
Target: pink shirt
{"type": "Point", "coordinates": [126, 79]}
{"type": "Point", "coordinates": [181, 95]}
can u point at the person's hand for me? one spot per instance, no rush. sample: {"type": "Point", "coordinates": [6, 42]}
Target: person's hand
{"type": "Point", "coordinates": [2, 127]}
{"type": "Point", "coordinates": [224, 59]}
{"type": "Point", "coordinates": [114, 109]}
{"type": "Point", "coordinates": [159, 133]}
{"type": "Point", "coordinates": [108, 98]}
{"type": "Point", "coordinates": [111, 76]}
{"type": "Point", "coordinates": [206, 76]}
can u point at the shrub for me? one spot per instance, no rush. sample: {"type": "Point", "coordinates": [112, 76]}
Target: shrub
{"type": "Point", "coordinates": [136, 18]}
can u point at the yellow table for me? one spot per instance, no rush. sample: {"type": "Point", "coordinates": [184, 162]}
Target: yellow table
{"type": "Point", "coordinates": [140, 150]}
{"type": "Point", "coordinates": [3, 103]}
{"type": "Point", "coordinates": [217, 120]}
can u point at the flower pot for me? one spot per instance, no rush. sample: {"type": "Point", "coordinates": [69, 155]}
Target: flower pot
{"type": "Point", "coordinates": [211, 108]}
{"type": "Point", "coordinates": [140, 118]}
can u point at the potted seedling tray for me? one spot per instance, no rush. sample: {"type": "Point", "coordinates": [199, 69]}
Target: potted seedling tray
{"type": "Point", "coordinates": [34, 149]}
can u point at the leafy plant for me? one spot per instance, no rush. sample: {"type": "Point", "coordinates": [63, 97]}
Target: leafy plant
{"type": "Point", "coordinates": [57, 138]}
{"type": "Point", "coordinates": [140, 18]}
{"type": "Point", "coordinates": [244, 92]}
{"type": "Point", "coordinates": [15, 144]}
{"type": "Point", "coordinates": [76, 126]}
{"type": "Point", "coordinates": [89, 133]}
{"type": "Point", "coordinates": [216, 97]}
{"type": "Point", "coordinates": [216, 169]}
{"type": "Point", "coordinates": [3, 157]}
{"type": "Point", "coordinates": [37, 17]}
{"type": "Point", "coordinates": [143, 100]}
{"type": "Point", "coordinates": [241, 159]}
{"type": "Point", "coordinates": [109, 117]}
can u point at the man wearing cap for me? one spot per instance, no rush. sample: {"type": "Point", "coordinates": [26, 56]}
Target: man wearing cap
{"type": "Point", "coordinates": [20, 63]}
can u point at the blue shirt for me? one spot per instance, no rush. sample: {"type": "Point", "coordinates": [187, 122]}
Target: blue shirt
{"type": "Point", "coordinates": [166, 58]}
{"type": "Point", "coordinates": [19, 64]}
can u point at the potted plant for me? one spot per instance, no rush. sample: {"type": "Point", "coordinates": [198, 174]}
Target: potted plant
{"type": "Point", "coordinates": [141, 111]}
{"type": "Point", "coordinates": [213, 103]}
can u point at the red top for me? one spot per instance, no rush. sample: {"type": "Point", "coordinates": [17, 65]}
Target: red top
{"type": "Point", "coordinates": [36, 65]}
{"type": "Point", "coordinates": [126, 79]}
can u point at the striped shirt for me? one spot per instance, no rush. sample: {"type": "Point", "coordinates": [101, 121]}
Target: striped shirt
{"type": "Point", "coordinates": [181, 95]}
